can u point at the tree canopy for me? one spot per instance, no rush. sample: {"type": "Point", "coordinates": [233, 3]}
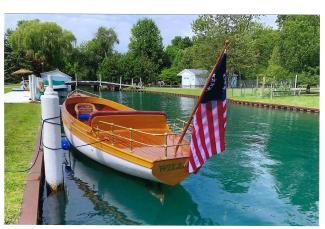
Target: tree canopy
{"type": "Point", "coordinates": [93, 53]}
{"type": "Point", "coordinates": [146, 41]}
{"type": "Point", "coordinates": [299, 42]}
{"type": "Point", "coordinates": [44, 45]}
{"type": "Point", "coordinates": [255, 49]}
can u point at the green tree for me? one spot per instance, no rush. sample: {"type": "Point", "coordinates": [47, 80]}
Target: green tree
{"type": "Point", "coordinates": [300, 42]}
{"type": "Point", "coordinates": [146, 40]}
{"type": "Point", "coordinates": [127, 65]}
{"type": "Point", "coordinates": [145, 69]}
{"type": "Point", "coordinates": [221, 25]}
{"type": "Point", "coordinates": [12, 60]}
{"type": "Point", "coordinates": [275, 71]}
{"type": "Point", "coordinates": [104, 41]}
{"type": "Point", "coordinates": [94, 52]}
{"type": "Point", "coordinates": [146, 46]}
{"type": "Point", "coordinates": [177, 44]}
{"type": "Point", "coordinates": [169, 76]}
{"type": "Point", "coordinates": [264, 40]}
{"type": "Point", "coordinates": [183, 59]}
{"type": "Point", "coordinates": [181, 43]}
{"type": "Point", "coordinates": [210, 33]}
{"type": "Point", "coordinates": [44, 44]}
{"type": "Point", "coordinates": [110, 68]}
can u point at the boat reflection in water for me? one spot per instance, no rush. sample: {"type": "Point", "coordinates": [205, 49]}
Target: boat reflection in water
{"type": "Point", "coordinates": [268, 175]}
{"type": "Point", "coordinates": [95, 194]}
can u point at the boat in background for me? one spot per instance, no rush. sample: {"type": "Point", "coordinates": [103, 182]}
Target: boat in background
{"type": "Point", "coordinates": [138, 143]}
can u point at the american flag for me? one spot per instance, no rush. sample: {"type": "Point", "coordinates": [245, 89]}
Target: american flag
{"type": "Point", "coordinates": [209, 121]}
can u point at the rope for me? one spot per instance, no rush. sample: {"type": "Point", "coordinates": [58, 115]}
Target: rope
{"type": "Point", "coordinates": [41, 144]}
{"type": "Point", "coordinates": [39, 148]}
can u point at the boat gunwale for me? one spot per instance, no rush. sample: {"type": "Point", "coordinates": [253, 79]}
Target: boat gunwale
{"type": "Point", "coordinates": [71, 122]}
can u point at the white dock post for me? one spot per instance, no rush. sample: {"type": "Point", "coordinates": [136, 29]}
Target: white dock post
{"type": "Point", "coordinates": [32, 89]}
{"type": "Point", "coordinates": [30, 86]}
{"type": "Point", "coordinates": [120, 82]}
{"type": "Point", "coordinates": [35, 81]}
{"type": "Point", "coordinates": [296, 79]}
{"type": "Point", "coordinates": [53, 158]}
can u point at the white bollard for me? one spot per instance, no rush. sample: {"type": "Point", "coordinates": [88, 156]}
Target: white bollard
{"type": "Point", "coordinates": [35, 81]}
{"type": "Point", "coordinates": [30, 86]}
{"type": "Point", "coordinates": [53, 158]}
{"type": "Point", "coordinates": [33, 87]}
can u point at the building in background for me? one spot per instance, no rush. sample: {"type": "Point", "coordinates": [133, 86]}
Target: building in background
{"type": "Point", "coordinates": [193, 77]}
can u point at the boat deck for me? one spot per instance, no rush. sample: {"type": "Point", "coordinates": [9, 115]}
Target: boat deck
{"type": "Point", "coordinates": [144, 133]}
{"type": "Point", "coordinates": [156, 150]}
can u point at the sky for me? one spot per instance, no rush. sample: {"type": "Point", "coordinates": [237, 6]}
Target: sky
{"type": "Point", "coordinates": [84, 26]}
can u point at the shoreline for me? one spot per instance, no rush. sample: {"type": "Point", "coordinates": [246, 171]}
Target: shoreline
{"type": "Point", "coordinates": [248, 103]}
{"type": "Point", "coordinates": [31, 205]}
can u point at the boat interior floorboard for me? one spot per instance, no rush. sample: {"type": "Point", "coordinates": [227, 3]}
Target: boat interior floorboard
{"type": "Point", "coordinates": [153, 153]}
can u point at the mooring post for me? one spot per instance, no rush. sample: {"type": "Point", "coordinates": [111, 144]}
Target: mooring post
{"type": "Point", "coordinates": [32, 93]}
{"type": "Point", "coordinates": [296, 79]}
{"type": "Point", "coordinates": [53, 155]}
{"type": "Point", "coordinates": [30, 86]}
{"type": "Point", "coordinates": [35, 82]}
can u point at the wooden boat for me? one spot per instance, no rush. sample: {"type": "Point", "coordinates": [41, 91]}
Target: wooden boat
{"type": "Point", "coordinates": [139, 143]}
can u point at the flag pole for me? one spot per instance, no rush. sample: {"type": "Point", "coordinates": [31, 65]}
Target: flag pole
{"type": "Point", "coordinates": [201, 96]}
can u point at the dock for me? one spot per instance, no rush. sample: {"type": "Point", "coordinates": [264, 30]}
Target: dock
{"type": "Point", "coordinates": [113, 86]}
{"type": "Point", "coordinates": [17, 97]}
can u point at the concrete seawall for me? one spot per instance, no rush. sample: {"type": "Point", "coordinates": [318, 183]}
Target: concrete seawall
{"type": "Point", "coordinates": [30, 209]}
{"type": "Point", "coordinates": [250, 103]}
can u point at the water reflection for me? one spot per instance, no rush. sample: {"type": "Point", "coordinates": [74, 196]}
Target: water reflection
{"type": "Point", "coordinates": [297, 175]}
{"type": "Point", "coordinates": [115, 198]}
{"type": "Point", "coordinates": [53, 207]}
{"type": "Point", "coordinates": [269, 167]}
{"type": "Point", "coordinates": [269, 175]}
{"type": "Point", "coordinates": [175, 107]}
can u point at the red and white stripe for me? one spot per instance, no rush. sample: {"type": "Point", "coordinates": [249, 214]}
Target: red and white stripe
{"type": "Point", "coordinates": [208, 133]}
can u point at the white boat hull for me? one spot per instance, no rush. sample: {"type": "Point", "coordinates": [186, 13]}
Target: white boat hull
{"type": "Point", "coordinates": [105, 158]}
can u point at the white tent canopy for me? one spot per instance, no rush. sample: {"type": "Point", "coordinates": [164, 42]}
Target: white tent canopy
{"type": "Point", "coordinates": [57, 75]}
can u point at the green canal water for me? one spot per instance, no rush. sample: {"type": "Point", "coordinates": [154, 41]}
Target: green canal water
{"type": "Point", "coordinates": [268, 175]}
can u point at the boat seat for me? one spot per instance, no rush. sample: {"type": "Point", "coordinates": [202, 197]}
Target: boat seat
{"type": "Point", "coordinates": [112, 112]}
{"type": "Point", "coordinates": [131, 119]}
{"type": "Point", "coordinates": [83, 110]}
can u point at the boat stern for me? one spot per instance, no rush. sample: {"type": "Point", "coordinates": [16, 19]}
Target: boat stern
{"type": "Point", "coordinates": [171, 171]}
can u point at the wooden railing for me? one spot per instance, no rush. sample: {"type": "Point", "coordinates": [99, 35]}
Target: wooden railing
{"type": "Point", "coordinates": [114, 134]}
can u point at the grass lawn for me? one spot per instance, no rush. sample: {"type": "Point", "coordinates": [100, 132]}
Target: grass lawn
{"type": "Point", "coordinates": [300, 101]}
{"type": "Point", "coordinates": [248, 95]}
{"type": "Point", "coordinates": [21, 127]}
{"type": "Point", "coordinates": [9, 87]}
